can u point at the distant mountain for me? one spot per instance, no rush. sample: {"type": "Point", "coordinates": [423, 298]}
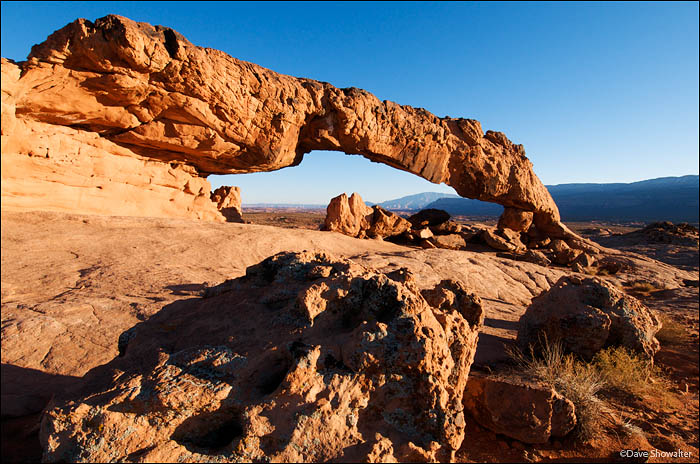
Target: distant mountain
{"type": "Point", "coordinates": [417, 201]}
{"type": "Point", "coordinates": [663, 199]}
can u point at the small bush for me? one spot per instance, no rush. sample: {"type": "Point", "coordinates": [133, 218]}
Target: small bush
{"type": "Point", "coordinates": [629, 373]}
{"type": "Point", "coordinates": [672, 332]}
{"type": "Point", "coordinates": [643, 288]}
{"type": "Point", "coordinates": [577, 381]}
{"type": "Point", "coordinates": [628, 429]}
{"type": "Point", "coordinates": [623, 370]}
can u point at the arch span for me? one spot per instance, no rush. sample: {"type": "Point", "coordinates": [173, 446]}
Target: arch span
{"type": "Point", "coordinates": [152, 93]}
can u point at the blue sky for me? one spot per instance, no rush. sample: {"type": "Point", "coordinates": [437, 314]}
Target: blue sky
{"type": "Point", "coordinates": [596, 92]}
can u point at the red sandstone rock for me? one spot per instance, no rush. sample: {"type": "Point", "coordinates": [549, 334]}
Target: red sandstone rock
{"type": "Point", "coordinates": [306, 358]}
{"type": "Point", "coordinates": [502, 239]}
{"type": "Point", "coordinates": [525, 411]}
{"type": "Point", "coordinates": [587, 315]}
{"type": "Point", "coordinates": [450, 241]}
{"type": "Point", "coordinates": [424, 233]}
{"type": "Point", "coordinates": [350, 216]}
{"type": "Point", "coordinates": [146, 95]}
{"type": "Point", "coordinates": [386, 224]}
{"type": "Point", "coordinates": [228, 202]}
{"type": "Point", "coordinates": [449, 227]}
{"type": "Point", "coordinates": [515, 219]}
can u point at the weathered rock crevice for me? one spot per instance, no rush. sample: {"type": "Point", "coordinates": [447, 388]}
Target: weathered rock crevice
{"type": "Point", "coordinates": [151, 94]}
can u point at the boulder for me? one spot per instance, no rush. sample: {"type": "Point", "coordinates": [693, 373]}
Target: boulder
{"type": "Point", "coordinates": [530, 256]}
{"type": "Point", "coordinates": [448, 227]}
{"type": "Point", "coordinates": [424, 233]}
{"type": "Point", "coordinates": [305, 358]}
{"type": "Point", "coordinates": [526, 411]}
{"type": "Point", "coordinates": [566, 257]}
{"type": "Point", "coordinates": [349, 216]}
{"type": "Point", "coordinates": [429, 217]}
{"type": "Point", "coordinates": [471, 234]}
{"type": "Point", "coordinates": [228, 202]}
{"type": "Point", "coordinates": [586, 315]}
{"type": "Point", "coordinates": [563, 254]}
{"type": "Point", "coordinates": [515, 219]}
{"type": "Point", "coordinates": [450, 242]}
{"type": "Point", "coordinates": [502, 239]}
{"type": "Point", "coordinates": [584, 260]}
{"type": "Point", "coordinates": [386, 224]}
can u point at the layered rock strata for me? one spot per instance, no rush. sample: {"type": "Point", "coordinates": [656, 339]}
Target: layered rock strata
{"type": "Point", "coordinates": [306, 358]}
{"type": "Point", "coordinates": [130, 93]}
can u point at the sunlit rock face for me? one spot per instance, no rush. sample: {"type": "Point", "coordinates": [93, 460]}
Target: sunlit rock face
{"type": "Point", "coordinates": [117, 89]}
{"type": "Point", "coordinates": [308, 358]}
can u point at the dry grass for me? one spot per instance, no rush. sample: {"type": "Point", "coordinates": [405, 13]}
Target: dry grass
{"type": "Point", "coordinates": [642, 288]}
{"type": "Point", "coordinates": [624, 371]}
{"type": "Point", "coordinates": [597, 271]}
{"type": "Point", "coordinates": [633, 375]}
{"type": "Point", "coordinates": [672, 332]}
{"type": "Point", "coordinates": [579, 382]}
{"type": "Point", "coordinates": [613, 371]}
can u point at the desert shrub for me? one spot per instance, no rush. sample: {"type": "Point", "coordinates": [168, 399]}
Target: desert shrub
{"type": "Point", "coordinates": [642, 288]}
{"type": "Point", "coordinates": [672, 332]}
{"type": "Point", "coordinates": [634, 375]}
{"type": "Point", "coordinates": [623, 370]}
{"type": "Point", "coordinates": [578, 381]}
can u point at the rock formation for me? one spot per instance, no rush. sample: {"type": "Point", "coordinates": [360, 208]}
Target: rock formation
{"type": "Point", "coordinates": [350, 216]}
{"type": "Point", "coordinates": [306, 358]}
{"type": "Point", "coordinates": [134, 113]}
{"type": "Point", "coordinates": [228, 202]}
{"type": "Point", "coordinates": [522, 410]}
{"type": "Point", "coordinates": [586, 315]}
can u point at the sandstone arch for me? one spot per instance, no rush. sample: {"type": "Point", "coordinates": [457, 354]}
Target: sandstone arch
{"type": "Point", "coordinates": [146, 96]}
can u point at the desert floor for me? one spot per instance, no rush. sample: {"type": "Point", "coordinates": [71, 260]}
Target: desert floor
{"type": "Point", "coordinates": [71, 284]}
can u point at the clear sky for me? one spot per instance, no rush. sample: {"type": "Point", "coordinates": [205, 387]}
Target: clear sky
{"type": "Point", "coordinates": [596, 92]}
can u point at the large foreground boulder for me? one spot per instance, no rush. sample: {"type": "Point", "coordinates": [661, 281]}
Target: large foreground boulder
{"type": "Point", "coordinates": [306, 358]}
{"type": "Point", "coordinates": [522, 410]}
{"type": "Point", "coordinates": [586, 315]}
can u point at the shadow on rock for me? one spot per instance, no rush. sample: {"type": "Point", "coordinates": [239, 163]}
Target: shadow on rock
{"type": "Point", "coordinates": [306, 358]}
